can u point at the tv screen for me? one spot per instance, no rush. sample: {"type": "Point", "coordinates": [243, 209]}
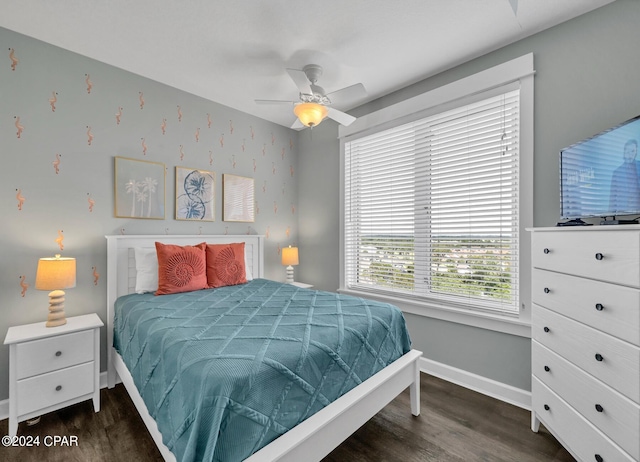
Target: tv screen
{"type": "Point", "coordinates": [600, 176]}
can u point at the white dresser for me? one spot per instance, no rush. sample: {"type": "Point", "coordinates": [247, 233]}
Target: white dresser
{"type": "Point", "coordinates": [52, 367]}
{"type": "Point", "coordinates": [586, 339]}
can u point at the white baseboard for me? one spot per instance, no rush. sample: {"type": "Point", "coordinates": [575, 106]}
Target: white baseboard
{"type": "Point", "coordinates": [489, 387]}
{"type": "Point", "coordinates": [498, 390]}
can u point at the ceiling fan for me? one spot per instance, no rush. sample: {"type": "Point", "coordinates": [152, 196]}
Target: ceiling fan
{"type": "Point", "coordinates": [315, 104]}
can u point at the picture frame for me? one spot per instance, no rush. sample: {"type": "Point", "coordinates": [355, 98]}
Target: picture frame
{"type": "Point", "coordinates": [139, 187]}
{"type": "Point", "coordinates": [238, 198]}
{"type": "Point", "coordinates": [195, 194]}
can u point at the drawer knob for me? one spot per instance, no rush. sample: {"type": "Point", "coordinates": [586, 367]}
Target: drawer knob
{"type": "Point", "coordinates": [58, 353]}
{"type": "Point", "coordinates": [599, 357]}
{"type": "Point", "coordinates": [546, 368]}
{"type": "Point", "coordinates": [547, 290]}
{"type": "Point", "coordinates": [599, 306]}
{"type": "Point", "coordinates": [546, 329]}
{"type": "Point", "coordinates": [599, 408]}
{"type": "Point", "coordinates": [546, 407]}
{"type": "Point", "coordinates": [59, 387]}
{"type": "Point", "coordinates": [546, 251]}
{"type": "Point", "coordinates": [599, 458]}
{"type": "Point", "coordinates": [599, 256]}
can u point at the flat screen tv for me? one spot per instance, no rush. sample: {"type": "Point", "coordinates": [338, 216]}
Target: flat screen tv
{"type": "Point", "coordinates": [600, 176]}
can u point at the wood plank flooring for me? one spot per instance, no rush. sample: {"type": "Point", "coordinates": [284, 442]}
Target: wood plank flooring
{"type": "Point", "coordinates": [455, 425]}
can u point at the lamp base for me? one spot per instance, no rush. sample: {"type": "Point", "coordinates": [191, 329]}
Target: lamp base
{"type": "Point", "coordinates": [56, 309]}
{"type": "Point", "coordinates": [289, 274]}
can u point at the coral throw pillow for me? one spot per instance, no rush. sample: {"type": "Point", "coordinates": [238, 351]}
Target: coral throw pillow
{"type": "Point", "coordinates": [181, 268]}
{"type": "Point", "coordinates": [225, 264]}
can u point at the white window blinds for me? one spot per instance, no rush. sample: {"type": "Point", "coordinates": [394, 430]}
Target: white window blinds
{"type": "Point", "coordinates": [431, 208]}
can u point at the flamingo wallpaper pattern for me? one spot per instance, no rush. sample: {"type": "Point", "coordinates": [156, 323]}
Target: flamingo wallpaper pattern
{"type": "Point", "coordinates": [63, 120]}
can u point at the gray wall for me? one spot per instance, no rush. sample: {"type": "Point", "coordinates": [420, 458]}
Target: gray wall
{"type": "Point", "coordinates": [586, 81]}
{"type": "Point", "coordinates": [59, 202]}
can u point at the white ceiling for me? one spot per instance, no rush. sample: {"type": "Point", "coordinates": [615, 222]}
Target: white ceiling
{"type": "Point", "coordinates": [236, 51]}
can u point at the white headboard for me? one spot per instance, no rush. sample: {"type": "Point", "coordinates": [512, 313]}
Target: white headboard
{"type": "Point", "coordinates": [121, 280]}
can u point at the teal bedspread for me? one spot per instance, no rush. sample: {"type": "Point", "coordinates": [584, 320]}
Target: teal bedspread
{"type": "Point", "coordinates": [226, 371]}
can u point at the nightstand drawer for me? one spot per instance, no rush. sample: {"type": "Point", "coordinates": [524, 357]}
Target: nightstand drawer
{"type": "Point", "coordinates": [49, 354]}
{"type": "Point", "coordinates": [53, 388]}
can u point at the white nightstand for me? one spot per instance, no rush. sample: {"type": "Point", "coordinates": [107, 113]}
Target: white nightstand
{"type": "Point", "coordinates": [52, 367]}
{"type": "Point", "coordinates": [302, 285]}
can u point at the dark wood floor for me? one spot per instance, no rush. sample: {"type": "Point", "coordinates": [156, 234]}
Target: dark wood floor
{"type": "Point", "coordinates": [456, 425]}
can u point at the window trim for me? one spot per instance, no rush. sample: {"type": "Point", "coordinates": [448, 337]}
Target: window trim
{"type": "Point", "coordinates": [517, 70]}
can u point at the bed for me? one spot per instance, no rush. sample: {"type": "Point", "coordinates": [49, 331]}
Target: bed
{"type": "Point", "coordinates": [328, 421]}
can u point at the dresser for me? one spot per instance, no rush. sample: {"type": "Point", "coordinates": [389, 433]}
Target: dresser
{"type": "Point", "coordinates": [52, 367]}
{"type": "Point", "coordinates": [585, 293]}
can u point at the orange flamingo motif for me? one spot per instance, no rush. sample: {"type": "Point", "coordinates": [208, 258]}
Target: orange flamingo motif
{"type": "Point", "coordinates": [267, 233]}
{"type": "Point", "coordinates": [20, 198]}
{"type": "Point", "coordinates": [59, 239]}
{"type": "Point", "coordinates": [231, 126]}
{"type": "Point", "coordinates": [273, 168]}
{"type": "Point", "coordinates": [197, 134]}
{"type": "Point", "coordinates": [210, 157]}
{"type": "Point", "coordinates": [91, 202]}
{"type": "Point", "coordinates": [233, 161]}
{"type": "Point", "coordinates": [264, 149]}
{"type": "Point", "coordinates": [118, 115]}
{"type": "Point", "coordinates": [181, 153]}
{"type": "Point", "coordinates": [209, 121]}
{"type": "Point", "coordinates": [226, 230]}
{"type": "Point", "coordinates": [257, 208]}
{"type": "Point", "coordinates": [291, 170]}
{"type": "Point", "coordinates": [242, 145]}
{"type": "Point", "coordinates": [275, 207]}
{"type": "Point", "coordinates": [179, 114]}
{"type": "Point", "coordinates": [56, 163]}
{"type": "Point", "coordinates": [288, 231]}
{"type": "Point", "coordinates": [273, 139]}
{"type": "Point", "coordinates": [18, 126]}
{"type": "Point", "coordinates": [24, 285]}
{"type": "Point", "coordinates": [221, 140]}
{"type": "Point", "coordinates": [89, 135]}
{"type": "Point", "coordinates": [53, 100]}
{"type": "Point", "coordinates": [255, 165]}
{"type": "Point", "coordinates": [290, 144]}
{"type": "Point", "coordinates": [14, 60]}
{"type": "Point", "coordinates": [122, 231]}
{"type": "Point", "coordinates": [141, 99]}
{"type": "Point", "coordinates": [96, 275]}
{"type": "Point", "coordinates": [89, 83]}
{"type": "Point", "coordinates": [253, 134]}
{"type": "Point", "coordinates": [144, 147]}
{"type": "Point", "coordinates": [282, 155]}
{"type": "Point", "coordinates": [293, 209]}
{"type": "Point", "coordinates": [164, 126]}
{"type": "Point", "coordinates": [279, 249]}
{"type": "Point", "coordinates": [264, 186]}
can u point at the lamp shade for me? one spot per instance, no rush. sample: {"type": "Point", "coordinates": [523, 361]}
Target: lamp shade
{"type": "Point", "coordinates": [310, 114]}
{"type": "Point", "coordinates": [56, 273]}
{"type": "Point", "coordinates": [290, 256]}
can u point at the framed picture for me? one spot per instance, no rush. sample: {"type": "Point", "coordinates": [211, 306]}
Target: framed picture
{"type": "Point", "coordinates": [139, 189]}
{"type": "Point", "coordinates": [238, 198]}
{"type": "Point", "coordinates": [195, 194]}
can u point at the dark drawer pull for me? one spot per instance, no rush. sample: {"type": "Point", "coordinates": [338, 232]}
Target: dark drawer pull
{"type": "Point", "coordinates": [546, 251]}
{"type": "Point", "coordinates": [59, 387]}
{"type": "Point", "coordinates": [599, 408]}
{"type": "Point", "coordinates": [599, 458]}
{"type": "Point", "coordinates": [599, 256]}
{"type": "Point", "coordinates": [599, 357]}
{"type": "Point", "coordinates": [547, 290]}
{"type": "Point", "coordinates": [546, 407]}
{"type": "Point", "coordinates": [546, 329]}
{"type": "Point", "coordinates": [546, 368]}
{"type": "Point", "coordinates": [599, 306]}
{"type": "Point", "coordinates": [58, 353]}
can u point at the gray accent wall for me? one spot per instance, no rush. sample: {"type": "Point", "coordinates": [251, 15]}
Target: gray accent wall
{"type": "Point", "coordinates": [587, 80]}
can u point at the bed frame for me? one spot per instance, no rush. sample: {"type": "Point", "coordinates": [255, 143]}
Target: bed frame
{"type": "Point", "coordinates": [311, 440]}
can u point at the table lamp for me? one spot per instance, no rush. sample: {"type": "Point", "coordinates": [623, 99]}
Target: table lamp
{"type": "Point", "coordinates": [55, 274]}
{"type": "Point", "coordinates": [290, 258]}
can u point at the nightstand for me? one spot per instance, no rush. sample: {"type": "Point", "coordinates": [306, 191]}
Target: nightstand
{"type": "Point", "coordinates": [302, 285]}
{"type": "Point", "coordinates": [52, 367]}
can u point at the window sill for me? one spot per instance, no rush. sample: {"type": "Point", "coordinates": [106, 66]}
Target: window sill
{"type": "Point", "coordinates": [513, 326]}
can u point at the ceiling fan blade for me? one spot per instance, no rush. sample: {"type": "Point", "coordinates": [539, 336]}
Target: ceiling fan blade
{"type": "Point", "coordinates": [341, 117]}
{"type": "Point", "coordinates": [301, 81]}
{"type": "Point", "coordinates": [348, 94]}
{"type": "Point", "coordinates": [297, 124]}
{"type": "Point", "coordinates": [274, 101]}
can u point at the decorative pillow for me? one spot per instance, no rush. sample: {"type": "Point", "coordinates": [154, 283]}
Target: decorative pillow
{"type": "Point", "coordinates": [247, 268]}
{"type": "Point", "coordinates": [146, 269]}
{"type": "Point", "coordinates": [181, 268]}
{"type": "Point", "coordinates": [225, 264]}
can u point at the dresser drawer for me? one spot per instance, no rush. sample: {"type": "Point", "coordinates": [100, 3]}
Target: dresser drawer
{"type": "Point", "coordinates": [617, 416]}
{"type": "Point", "coordinates": [49, 354]}
{"type": "Point", "coordinates": [49, 389]}
{"type": "Point", "coordinates": [576, 433]}
{"type": "Point", "coordinates": [610, 308]}
{"type": "Point", "coordinates": [613, 361]}
{"type": "Point", "coordinates": [610, 256]}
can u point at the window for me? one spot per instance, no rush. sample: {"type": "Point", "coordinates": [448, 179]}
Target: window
{"type": "Point", "coordinates": [431, 207]}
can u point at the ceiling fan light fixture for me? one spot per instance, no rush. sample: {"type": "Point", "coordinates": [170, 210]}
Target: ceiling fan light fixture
{"type": "Point", "coordinates": [310, 114]}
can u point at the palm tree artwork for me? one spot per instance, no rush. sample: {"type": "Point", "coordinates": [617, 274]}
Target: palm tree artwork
{"type": "Point", "coordinates": [139, 188]}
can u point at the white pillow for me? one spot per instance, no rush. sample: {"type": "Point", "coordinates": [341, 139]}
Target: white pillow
{"type": "Point", "coordinates": [247, 268]}
{"type": "Point", "coordinates": [146, 269]}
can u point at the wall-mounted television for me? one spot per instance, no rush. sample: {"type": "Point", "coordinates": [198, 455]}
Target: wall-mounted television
{"type": "Point", "coordinates": [600, 176]}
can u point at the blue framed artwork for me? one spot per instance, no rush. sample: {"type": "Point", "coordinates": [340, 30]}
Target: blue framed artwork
{"type": "Point", "coordinates": [195, 194]}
